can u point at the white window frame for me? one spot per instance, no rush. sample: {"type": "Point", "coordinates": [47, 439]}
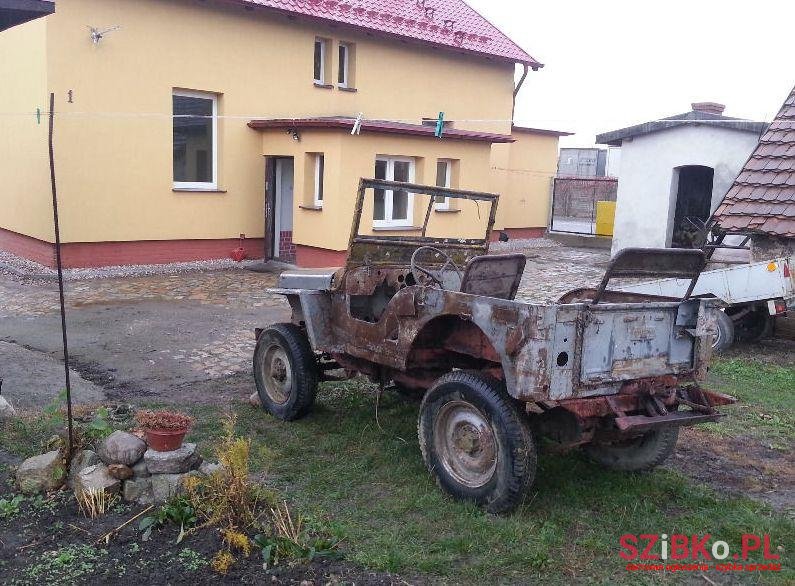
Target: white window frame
{"type": "Point", "coordinates": [201, 185]}
{"type": "Point", "coordinates": [319, 177]}
{"type": "Point", "coordinates": [323, 42]}
{"type": "Point", "coordinates": [388, 221]}
{"type": "Point", "coordinates": [345, 70]}
{"type": "Point", "coordinates": [448, 182]}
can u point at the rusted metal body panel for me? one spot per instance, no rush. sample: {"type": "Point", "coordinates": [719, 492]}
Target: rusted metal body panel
{"type": "Point", "coordinates": [633, 362]}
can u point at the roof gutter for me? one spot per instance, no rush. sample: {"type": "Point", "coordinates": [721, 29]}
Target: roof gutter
{"type": "Point", "coordinates": [518, 87]}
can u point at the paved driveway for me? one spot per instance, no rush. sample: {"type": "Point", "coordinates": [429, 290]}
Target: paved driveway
{"type": "Point", "coordinates": [142, 336]}
{"type": "Point", "coordinates": [183, 337]}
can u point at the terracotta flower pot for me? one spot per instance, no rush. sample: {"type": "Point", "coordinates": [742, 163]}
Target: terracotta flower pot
{"type": "Point", "coordinates": [162, 440]}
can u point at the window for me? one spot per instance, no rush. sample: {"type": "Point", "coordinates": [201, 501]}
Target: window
{"type": "Point", "coordinates": [320, 61]}
{"type": "Point", "coordinates": [393, 207]}
{"type": "Point", "coordinates": [195, 127]}
{"type": "Point", "coordinates": [344, 66]}
{"type": "Point", "coordinates": [444, 171]}
{"type": "Point", "coordinates": [320, 164]}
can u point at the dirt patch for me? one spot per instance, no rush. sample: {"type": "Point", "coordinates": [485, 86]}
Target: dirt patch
{"type": "Point", "coordinates": [50, 542]}
{"type": "Point", "coordinates": [774, 351]}
{"type": "Point", "coordinates": [741, 466]}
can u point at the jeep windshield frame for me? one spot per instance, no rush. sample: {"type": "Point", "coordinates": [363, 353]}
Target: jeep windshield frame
{"type": "Point", "coordinates": [393, 250]}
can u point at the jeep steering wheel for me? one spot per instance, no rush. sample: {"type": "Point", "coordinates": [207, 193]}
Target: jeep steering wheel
{"type": "Point", "coordinates": [417, 269]}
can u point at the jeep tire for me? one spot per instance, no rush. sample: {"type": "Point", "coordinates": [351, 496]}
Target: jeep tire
{"type": "Point", "coordinates": [285, 371]}
{"type": "Point", "coordinates": [635, 454]}
{"type": "Point", "coordinates": [475, 442]}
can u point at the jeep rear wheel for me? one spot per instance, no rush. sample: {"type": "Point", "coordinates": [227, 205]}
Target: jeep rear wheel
{"type": "Point", "coordinates": [285, 372]}
{"type": "Point", "coordinates": [639, 453]}
{"type": "Point", "coordinates": [474, 441]}
{"type": "Point", "coordinates": [724, 334]}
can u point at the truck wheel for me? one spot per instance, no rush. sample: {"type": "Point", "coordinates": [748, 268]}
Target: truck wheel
{"type": "Point", "coordinates": [640, 453]}
{"type": "Point", "coordinates": [725, 335]}
{"type": "Point", "coordinates": [285, 372]}
{"type": "Point", "coordinates": [475, 443]}
{"type": "Point", "coordinates": [756, 324]}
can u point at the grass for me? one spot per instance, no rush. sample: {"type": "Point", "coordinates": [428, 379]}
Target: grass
{"type": "Point", "coordinates": [368, 486]}
{"type": "Point", "coordinates": [766, 406]}
{"type": "Point", "coordinates": [363, 481]}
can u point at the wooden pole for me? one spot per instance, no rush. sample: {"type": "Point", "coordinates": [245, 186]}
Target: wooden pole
{"type": "Point", "coordinates": [60, 279]}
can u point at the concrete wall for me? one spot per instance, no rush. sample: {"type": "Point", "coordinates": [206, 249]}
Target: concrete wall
{"type": "Point", "coordinates": [647, 184]}
{"type": "Point", "coordinates": [524, 180]}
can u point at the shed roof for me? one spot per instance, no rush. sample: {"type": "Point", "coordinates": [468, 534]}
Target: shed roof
{"type": "Point", "coordinates": [14, 12]}
{"type": "Point", "coordinates": [695, 116]}
{"type": "Point", "coordinates": [542, 131]}
{"type": "Point", "coordinates": [762, 198]}
{"type": "Point", "coordinates": [443, 23]}
{"type": "Point", "coordinates": [377, 126]}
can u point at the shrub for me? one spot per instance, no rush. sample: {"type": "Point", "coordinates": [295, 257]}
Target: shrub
{"type": "Point", "coordinates": [228, 498]}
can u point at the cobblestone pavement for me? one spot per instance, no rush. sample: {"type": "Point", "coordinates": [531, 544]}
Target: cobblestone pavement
{"type": "Point", "coordinates": [230, 288]}
{"type": "Point", "coordinates": [554, 269]}
{"type": "Point", "coordinates": [158, 330]}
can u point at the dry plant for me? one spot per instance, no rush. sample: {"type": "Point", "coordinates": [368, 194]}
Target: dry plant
{"type": "Point", "coordinates": [222, 561]}
{"type": "Point", "coordinates": [94, 502]}
{"type": "Point", "coordinates": [237, 540]}
{"type": "Point", "coordinates": [284, 524]}
{"type": "Point", "coordinates": [228, 498]}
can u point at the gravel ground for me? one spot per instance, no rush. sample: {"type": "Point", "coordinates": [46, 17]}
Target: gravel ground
{"type": "Point", "coordinates": [26, 269]}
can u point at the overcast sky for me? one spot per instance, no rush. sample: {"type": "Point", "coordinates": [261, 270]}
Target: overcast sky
{"type": "Point", "coordinates": [614, 63]}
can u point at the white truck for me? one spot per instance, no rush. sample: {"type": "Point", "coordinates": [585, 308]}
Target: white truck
{"type": "Point", "coordinates": [752, 295]}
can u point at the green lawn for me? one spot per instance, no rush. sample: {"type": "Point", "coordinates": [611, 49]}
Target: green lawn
{"type": "Point", "coordinates": [766, 400]}
{"type": "Point", "coordinates": [363, 480]}
{"type": "Point", "coordinates": [366, 483]}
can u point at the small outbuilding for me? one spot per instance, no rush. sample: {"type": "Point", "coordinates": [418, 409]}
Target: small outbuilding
{"type": "Point", "coordinates": [675, 172]}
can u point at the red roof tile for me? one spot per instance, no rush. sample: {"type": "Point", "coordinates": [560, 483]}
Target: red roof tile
{"type": "Point", "coordinates": [378, 126]}
{"type": "Point", "coordinates": [762, 197]}
{"type": "Point", "coordinates": [446, 23]}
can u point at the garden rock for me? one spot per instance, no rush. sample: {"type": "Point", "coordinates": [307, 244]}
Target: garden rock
{"type": "Point", "coordinates": [96, 478]}
{"type": "Point", "coordinates": [166, 486]}
{"type": "Point", "coordinates": [121, 447]}
{"type": "Point", "coordinates": [6, 410]}
{"type": "Point", "coordinates": [140, 470]}
{"type": "Point", "coordinates": [80, 461]}
{"type": "Point", "coordinates": [138, 491]}
{"type": "Point", "coordinates": [254, 400]}
{"type": "Point", "coordinates": [208, 468]}
{"type": "Point", "coordinates": [175, 462]}
{"type": "Point", "coordinates": [41, 473]}
{"type": "Point", "coordinates": [120, 471]}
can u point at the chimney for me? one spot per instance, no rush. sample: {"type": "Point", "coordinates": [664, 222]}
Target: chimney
{"type": "Point", "coordinates": [708, 107]}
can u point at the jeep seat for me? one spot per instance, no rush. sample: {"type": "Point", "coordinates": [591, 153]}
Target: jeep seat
{"type": "Point", "coordinates": [495, 275]}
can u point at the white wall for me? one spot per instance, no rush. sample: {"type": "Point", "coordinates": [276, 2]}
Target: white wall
{"type": "Point", "coordinates": [647, 183]}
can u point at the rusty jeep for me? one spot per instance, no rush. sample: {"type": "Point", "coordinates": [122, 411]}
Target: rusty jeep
{"type": "Point", "coordinates": [435, 316]}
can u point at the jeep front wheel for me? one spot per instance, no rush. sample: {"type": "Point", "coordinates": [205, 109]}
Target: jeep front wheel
{"type": "Point", "coordinates": [635, 454]}
{"type": "Point", "coordinates": [285, 372]}
{"type": "Point", "coordinates": [475, 443]}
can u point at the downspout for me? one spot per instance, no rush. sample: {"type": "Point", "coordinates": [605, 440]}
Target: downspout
{"type": "Point", "coordinates": [518, 87]}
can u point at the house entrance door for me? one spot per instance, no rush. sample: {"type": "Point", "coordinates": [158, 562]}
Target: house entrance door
{"type": "Point", "coordinates": [279, 209]}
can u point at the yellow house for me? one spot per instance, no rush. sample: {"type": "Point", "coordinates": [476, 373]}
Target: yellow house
{"type": "Point", "coordinates": [183, 126]}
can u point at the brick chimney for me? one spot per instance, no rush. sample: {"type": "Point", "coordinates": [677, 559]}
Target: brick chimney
{"type": "Point", "coordinates": [708, 107]}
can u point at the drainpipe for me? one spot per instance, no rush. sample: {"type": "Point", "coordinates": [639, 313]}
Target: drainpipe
{"type": "Point", "coordinates": [518, 87]}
